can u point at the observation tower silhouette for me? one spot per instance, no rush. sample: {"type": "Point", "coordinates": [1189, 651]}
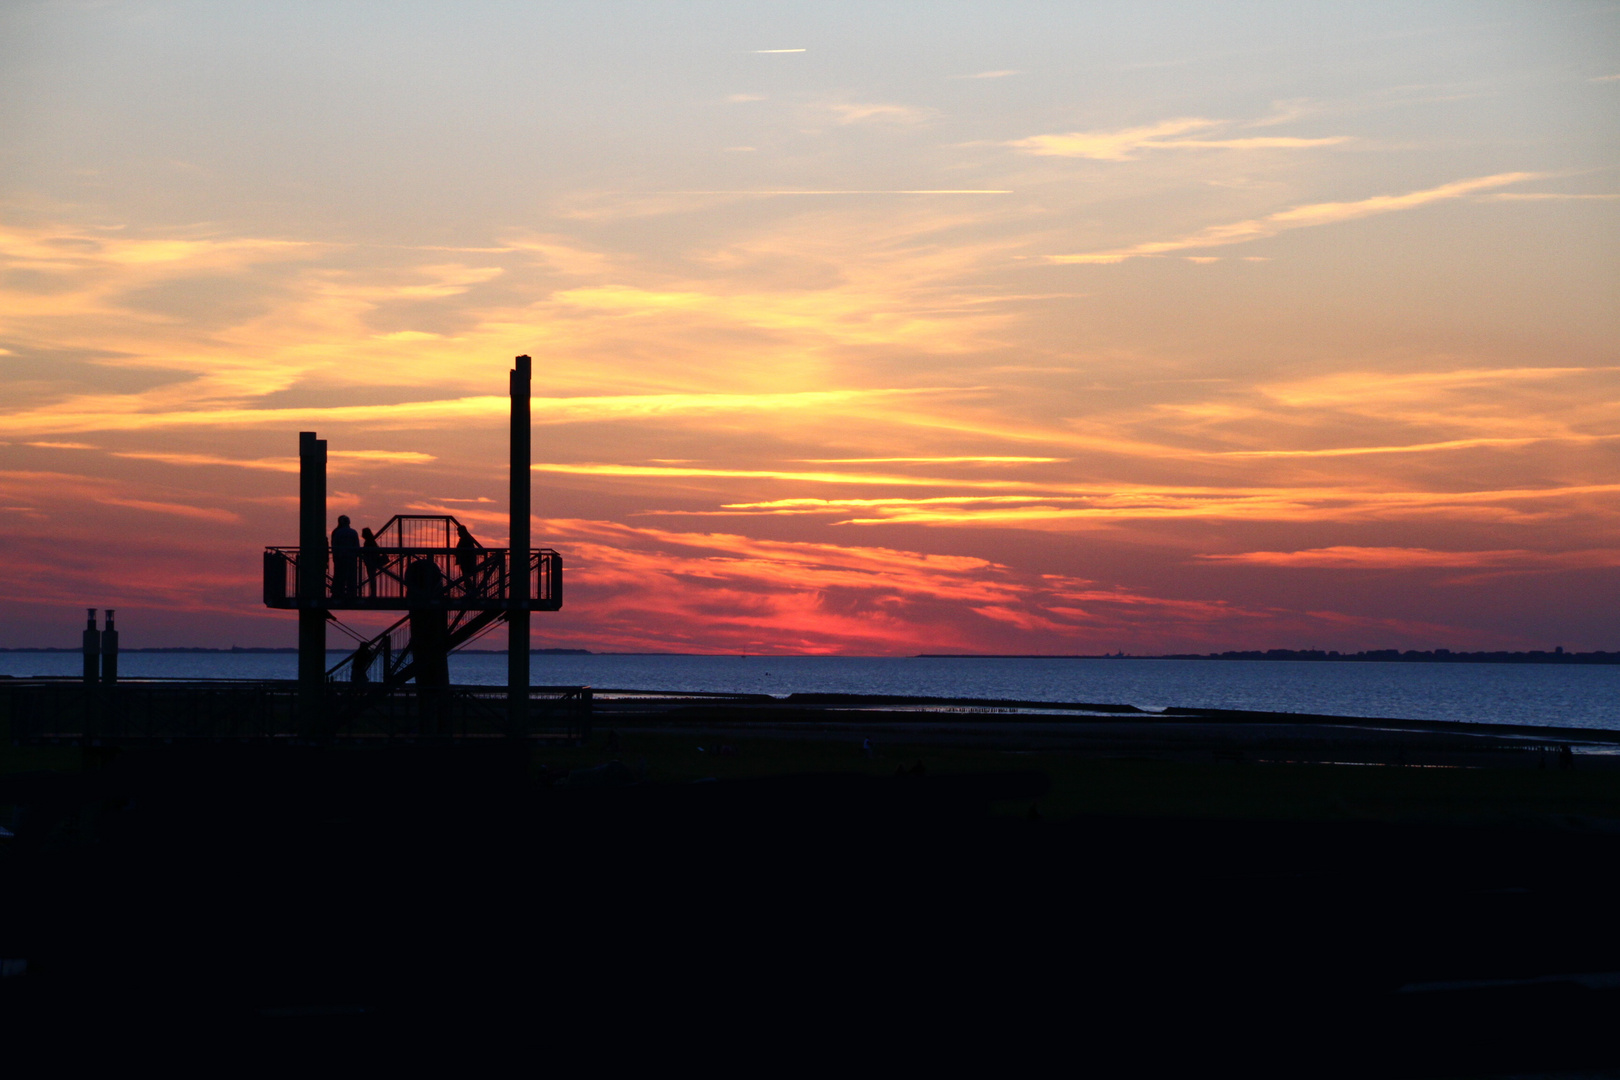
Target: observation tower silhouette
{"type": "Point", "coordinates": [451, 590]}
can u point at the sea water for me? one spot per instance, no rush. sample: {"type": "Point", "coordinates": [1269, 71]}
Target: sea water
{"type": "Point", "coordinates": [1548, 694]}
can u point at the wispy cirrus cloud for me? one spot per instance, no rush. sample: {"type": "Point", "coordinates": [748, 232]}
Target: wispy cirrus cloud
{"type": "Point", "coordinates": [1298, 217]}
{"type": "Point", "coordinates": [973, 459]}
{"type": "Point", "coordinates": [877, 113]}
{"type": "Point", "coordinates": [1364, 388]}
{"type": "Point", "coordinates": [1410, 558]}
{"type": "Point", "coordinates": [1416, 448]}
{"type": "Point", "coordinates": [1507, 408]}
{"type": "Point", "coordinates": [200, 513]}
{"type": "Point", "coordinates": [1127, 144]}
{"type": "Point", "coordinates": [840, 191]}
{"type": "Point", "coordinates": [1547, 196]}
{"type": "Point", "coordinates": [50, 248]}
{"type": "Point", "coordinates": [1141, 503]}
{"type": "Point", "coordinates": [792, 475]}
{"type": "Point", "coordinates": [338, 460]}
{"type": "Point", "coordinates": [68, 491]}
{"type": "Point", "coordinates": [73, 415]}
{"type": "Point", "coordinates": [1073, 506]}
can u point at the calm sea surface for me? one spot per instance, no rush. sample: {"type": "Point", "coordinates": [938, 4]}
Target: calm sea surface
{"type": "Point", "coordinates": [1587, 696]}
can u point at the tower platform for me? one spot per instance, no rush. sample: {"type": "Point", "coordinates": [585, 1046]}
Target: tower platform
{"type": "Point", "coordinates": [416, 564]}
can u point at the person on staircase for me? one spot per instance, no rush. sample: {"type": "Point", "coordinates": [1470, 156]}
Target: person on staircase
{"type": "Point", "coordinates": [467, 560]}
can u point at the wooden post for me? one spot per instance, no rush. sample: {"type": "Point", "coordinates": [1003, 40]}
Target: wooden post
{"type": "Point", "coordinates": [311, 582]}
{"type": "Point", "coordinates": [521, 587]}
{"type": "Point", "coordinates": [109, 651]}
{"type": "Point", "coordinates": [92, 650]}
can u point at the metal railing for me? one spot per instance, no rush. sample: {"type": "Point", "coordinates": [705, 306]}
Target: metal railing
{"type": "Point", "coordinates": [400, 578]}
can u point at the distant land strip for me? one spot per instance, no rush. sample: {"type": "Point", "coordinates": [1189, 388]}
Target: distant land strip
{"type": "Point", "coordinates": [1410, 656]}
{"type": "Point", "coordinates": [236, 649]}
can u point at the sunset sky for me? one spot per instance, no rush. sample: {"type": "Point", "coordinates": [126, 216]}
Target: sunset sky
{"type": "Point", "coordinates": [858, 328]}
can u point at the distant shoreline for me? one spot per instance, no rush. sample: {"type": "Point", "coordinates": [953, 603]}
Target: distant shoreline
{"type": "Point", "coordinates": [1382, 656]}
{"type": "Point", "coordinates": [238, 651]}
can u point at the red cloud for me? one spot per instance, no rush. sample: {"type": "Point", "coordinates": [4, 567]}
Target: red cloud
{"type": "Point", "coordinates": [635, 589]}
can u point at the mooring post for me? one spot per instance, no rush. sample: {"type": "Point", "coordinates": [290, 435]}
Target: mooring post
{"type": "Point", "coordinates": [311, 582]}
{"type": "Point", "coordinates": [109, 651]}
{"type": "Point", "coordinates": [92, 650]}
{"type": "Point", "coordinates": [521, 588]}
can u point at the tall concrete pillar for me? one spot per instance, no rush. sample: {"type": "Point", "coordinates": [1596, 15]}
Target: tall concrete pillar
{"type": "Point", "coordinates": [311, 580]}
{"type": "Point", "coordinates": [522, 588]}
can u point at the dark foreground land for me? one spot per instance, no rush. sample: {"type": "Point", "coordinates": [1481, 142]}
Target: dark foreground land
{"type": "Point", "coordinates": [701, 884]}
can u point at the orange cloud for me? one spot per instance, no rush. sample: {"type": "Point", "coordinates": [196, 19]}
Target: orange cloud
{"type": "Point", "coordinates": [1125, 144]}
{"type": "Point", "coordinates": [121, 415]}
{"type": "Point", "coordinates": [767, 474]}
{"type": "Point", "coordinates": [1140, 502]}
{"type": "Point", "coordinates": [338, 460]}
{"type": "Point", "coordinates": [977, 459]}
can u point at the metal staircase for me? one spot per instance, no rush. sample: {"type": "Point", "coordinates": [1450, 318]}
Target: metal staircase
{"type": "Point", "coordinates": [386, 662]}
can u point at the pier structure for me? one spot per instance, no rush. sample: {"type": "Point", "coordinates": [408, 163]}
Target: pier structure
{"type": "Point", "coordinates": [449, 586]}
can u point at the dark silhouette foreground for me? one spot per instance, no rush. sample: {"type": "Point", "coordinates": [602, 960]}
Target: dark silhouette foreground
{"type": "Point", "coordinates": [280, 894]}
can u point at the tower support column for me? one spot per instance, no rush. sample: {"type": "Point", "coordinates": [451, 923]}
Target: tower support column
{"type": "Point", "coordinates": [522, 588]}
{"type": "Point", "coordinates": [311, 582]}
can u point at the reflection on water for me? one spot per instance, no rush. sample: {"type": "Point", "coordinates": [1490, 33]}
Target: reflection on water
{"type": "Point", "coordinates": [1580, 696]}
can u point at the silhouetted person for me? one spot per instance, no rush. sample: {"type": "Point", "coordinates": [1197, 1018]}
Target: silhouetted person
{"type": "Point", "coordinates": [345, 558]}
{"type": "Point", "coordinates": [423, 582]}
{"type": "Point", "coordinates": [466, 558]}
{"type": "Point", "coordinates": [372, 557]}
{"type": "Point", "coordinates": [359, 672]}
{"type": "Point", "coordinates": [430, 638]}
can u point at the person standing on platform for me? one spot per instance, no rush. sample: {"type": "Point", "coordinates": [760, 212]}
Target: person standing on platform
{"type": "Point", "coordinates": [345, 559]}
{"type": "Point", "coordinates": [372, 558]}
